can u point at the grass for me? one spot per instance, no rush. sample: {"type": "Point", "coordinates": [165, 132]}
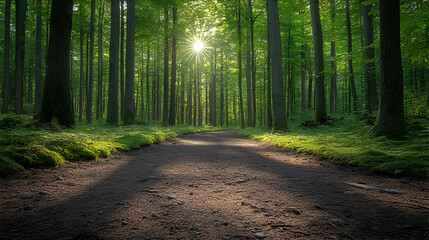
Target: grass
{"type": "Point", "coordinates": [24, 146]}
{"type": "Point", "coordinates": [348, 140]}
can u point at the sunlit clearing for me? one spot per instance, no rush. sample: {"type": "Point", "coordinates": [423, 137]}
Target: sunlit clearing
{"type": "Point", "coordinates": [198, 45]}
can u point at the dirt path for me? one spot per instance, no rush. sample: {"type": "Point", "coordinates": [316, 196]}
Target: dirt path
{"type": "Point", "coordinates": [215, 185]}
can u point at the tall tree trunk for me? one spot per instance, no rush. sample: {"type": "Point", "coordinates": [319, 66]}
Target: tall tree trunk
{"type": "Point", "coordinates": [189, 104]}
{"type": "Point", "coordinates": [213, 99]}
{"type": "Point", "coordinates": [99, 109]}
{"type": "Point", "coordinates": [38, 77]}
{"type": "Point", "coordinates": [333, 99]}
{"type": "Point", "coordinates": [182, 98]}
{"type": "Point", "coordinates": [240, 74]}
{"type": "Point", "coordinates": [310, 85]}
{"type": "Point", "coordinates": [252, 40]}
{"type": "Point", "coordinates": [279, 108]}
{"type": "Point", "coordinates": [349, 47]}
{"type": "Point", "coordinates": [30, 73]}
{"type": "Point", "coordinates": [56, 98]}
{"type": "Point", "coordinates": [172, 116]}
{"type": "Point", "coordinates": [129, 110]}
{"type": "Point", "coordinates": [221, 88]}
{"type": "Point", "coordinates": [303, 90]}
{"type": "Point", "coordinates": [370, 81]}
{"type": "Point", "coordinates": [147, 84]}
{"type": "Point", "coordinates": [269, 96]}
{"type": "Point", "coordinates": [166, 60]}
{"type": "Point", "coordinates": [320, 100]}
{"type": "Point", "coordinates": [113, 101]}
{"type": "Point", "coordinates": [122, 60]}
{"type": "Point", "coordinates": [87, 69]}
{"type": "Point", "coordinates": [81, 86]}
{"type": "Point", "coordinates": [6, 59]}
{"type": "Point", "coordinates": [249, 83]}
{"type": "Point", "coordinates": [91, 66]}
{"type": "Point", "coordinates": [226, 95]}
{"type": "Point", "coordinates": [390, 120]}
{"type": "Point", "coordinates": [21, 12]}
{"type": "Point", "coordinates": [195, 93]}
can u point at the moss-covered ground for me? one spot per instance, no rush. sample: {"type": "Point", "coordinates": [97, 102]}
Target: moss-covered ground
{"type": "Point", "coordinates": [24, 145]}
{"type": "Point", "coordinates": [348, 139]}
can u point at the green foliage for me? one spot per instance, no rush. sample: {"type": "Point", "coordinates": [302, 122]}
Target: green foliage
{"type": "Point", "coordinates": [348, 141]}
{"type": "Point", "coordinates": [22, 146]}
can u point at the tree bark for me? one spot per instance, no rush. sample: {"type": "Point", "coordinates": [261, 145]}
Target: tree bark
{"type": "Point", "coordinates": [129, 109]}
{"type": "Point", "coordinates": [166, 60]}
{"type": "Point", "coordinates": [81, 75]}
{"type": "Point", "coordinates": [122, 60]}
{"type": "Point", "coordinates": [221, 89]}
{"type": "Point", "coordinates": [99, 110]}
{"type": "Point", "coordinates": [113, 101]}
{"type": "Point", "coordinates": [370, 81]}
{"type": "Point", "coordinates": [56, 98]}
{"type": "Point", "coordinates": [320, 99]}
{"type": "Point", "coordinates": [6, 61]}
{"type": "Point", "coordinates": [390, 120]}
{"type": "Point", "coordinates": [269, 96]}
{"type": "Point", "coordinates": [333, 98]}
{"type": "Point", "coordinates": [21, 12]}
{"type": "Point", "coordinates": [172, 116]}
{"type": "Point", "coordinates": [279, 108]}
{"type": "Point", "coordinates": [252, 40]}
{"type": "Point", "coordinates": [147, 84]}
{"type": "Point", "coordinates": [249, 83]}
{"type": "Point", "coordinates": [91, 66]}
{"type": "Point", "coordinates": [349, 47]}
{"type": "Point", "coordinates": [240, 74]}
{"type": "Point", "coordinates": [303, 91]}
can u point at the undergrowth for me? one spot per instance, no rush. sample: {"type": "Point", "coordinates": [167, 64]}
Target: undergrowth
{"type": "Point", "coordinates": [24, 145]}
{"type": "Point", "coordinates": [347, 138]}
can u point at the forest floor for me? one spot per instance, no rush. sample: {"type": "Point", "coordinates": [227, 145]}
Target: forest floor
{"type": "Point", "coordinates": [211, 185]}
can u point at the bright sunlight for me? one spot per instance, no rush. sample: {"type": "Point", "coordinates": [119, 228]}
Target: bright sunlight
{"type": "Point", "coordinates": [198, 45]}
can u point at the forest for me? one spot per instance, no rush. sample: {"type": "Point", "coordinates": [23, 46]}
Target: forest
{"type": "Point", "coordinates": [282, 72]}
{"type": "Point", "coordinates": [292, 119]}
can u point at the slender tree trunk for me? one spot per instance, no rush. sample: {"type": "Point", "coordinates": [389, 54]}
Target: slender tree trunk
{"type": "Point", "coordinates": [279, 107]}
{"type": "Point", "coordinates": [190, 98]}
{"type": "Point", "coordinates": [349, 47]}
{"type": "Point", "coordinates": [21, 12]}
{"type": "Point", "coordinates": [318, 62]}
{"type": "Point", "coordinates": [213, 92]}
{"type": "Point", "coordinates": [99, 109]}
{"type": "Point", "coordinates": [252, 40]}
{"type": "Point", "coordinates": [172, 117]}
{"type": "Point", "coordinates": [30, 73]}
{"type": "Point", "coordinates": [240, 74]}
{"type": "Point", "coordinates": [87, 70]}
{"type": "Point", "coordinates": [129, 110]}
{"type": "Point", "coordinates": [370, 81]}
{"type": "Point", "coordinates": [91, 66]}
{"type": "Point", "coordinates": [310, 85]}
{"type": "Point", "coordinates": [390, 120]}
{"type": "Point", "coordinates": [147, 84]}
{"type": "Point", "coordinates": [6, 59]}
{"type": "Point", "coordinates": [38, 77]}
{"type": "Point", "coordinates": [269, 95]}
{"type": "Point", "coordinates": [303, 90]}
{"type": "Point", "coordinates": [195, 93]}
{"type": "Point", "coordinates": [182, 98]}
{"type": "Point", "coordinates": [113, 101]}
{"type": "Point", "coordinates": [221, 89]}
{"type": "Point", "coordinates": [158, 89]}
{"type": "Point", "coordinates": [249, 84]}
{"type": "Point", "coordinates": [333, 99]}
{"type": "Point", "coordinates": [122, 60]}
{"type": "Point", "coordinates": [56, 98]}
{"type": "Point", "coordinates": [81, 76]}
{"type": "Point", "coordinates": [226, 95]}
{"type": "Point", "coordinates": [166, 60]}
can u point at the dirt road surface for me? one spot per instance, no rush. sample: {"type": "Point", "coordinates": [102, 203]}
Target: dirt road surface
{"type": "Point", "coordinates": [213, 185]}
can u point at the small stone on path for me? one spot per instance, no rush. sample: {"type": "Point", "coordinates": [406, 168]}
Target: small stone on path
{"type": "Point", "coordinates": [60, 178]}
{"type": "Point", "coordinates": [349, 193]}
{"type": "Point", "coordinates": [240, 181]}
{"type": "Point", "coordinates": [171, 197]}
{"type": "Point", "coordinates": [295, 210]}
{"type": "Point", "coordinates": [124, 222]}
{"type": "Point", "coordinates": [226, 238]}
{"type": "Point", "coordinates": [44, 193]}
{"type": "Point", "coordinates": [392, 191]}
{"type": "Point", "coordinates": [260, 235]}
{"type": "Point", "coordinates": [152, 191]}
{"type": "Point", "coordinates": [181, 203]}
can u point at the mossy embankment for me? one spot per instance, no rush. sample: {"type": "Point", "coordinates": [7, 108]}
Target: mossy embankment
{"type": "Point", "coordinates": [348, 139]}
{"type": "Point", "coordinates": [23, 145]}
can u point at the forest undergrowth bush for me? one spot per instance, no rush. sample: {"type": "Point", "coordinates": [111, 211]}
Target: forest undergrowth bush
{"type": "Point", "coordinates": [25, 145]}
{"type": "Point", "coordinates": [347, 138]}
